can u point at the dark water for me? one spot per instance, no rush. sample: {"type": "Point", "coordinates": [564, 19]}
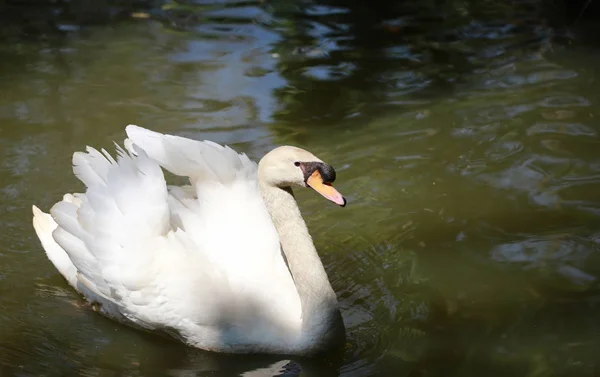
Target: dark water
{"type": "Point", "coordinates": [465, 136]}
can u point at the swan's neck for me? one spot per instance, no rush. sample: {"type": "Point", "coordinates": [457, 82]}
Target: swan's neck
{"type": "Point", "coordinates": [319, 304]}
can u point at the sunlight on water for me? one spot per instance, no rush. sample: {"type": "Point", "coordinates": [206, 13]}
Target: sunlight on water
{"type": "Point", "coordinates": [468, 152]}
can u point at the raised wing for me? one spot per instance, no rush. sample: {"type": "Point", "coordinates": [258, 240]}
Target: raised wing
{"type": "Point", "coordinates": [224, 214]}
{"type": "Point", "coordinates": [199, 259]}
{"type": "Point", "coordinates": [199, 160]}
{"type": "Point", "coordinates": [120, 240]}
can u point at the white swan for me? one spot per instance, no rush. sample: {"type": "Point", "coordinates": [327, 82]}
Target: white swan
{"type": "Point", "coordinates": [225, 264]}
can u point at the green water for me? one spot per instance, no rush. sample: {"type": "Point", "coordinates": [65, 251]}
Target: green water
{"type": "Point", "coordinates": [467, 147]}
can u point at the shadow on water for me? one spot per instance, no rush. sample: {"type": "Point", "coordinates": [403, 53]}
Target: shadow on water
{"type": "Point", "coordinates": [464, 136]}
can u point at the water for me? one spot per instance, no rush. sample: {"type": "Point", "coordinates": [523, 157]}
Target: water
{"type": "Point", "coordinates": [467, 147]}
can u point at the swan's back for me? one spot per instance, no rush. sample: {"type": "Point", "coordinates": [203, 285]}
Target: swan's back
{"type": "Point", "coordinates": [202, 261]}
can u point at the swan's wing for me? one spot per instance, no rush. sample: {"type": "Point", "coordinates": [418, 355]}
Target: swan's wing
{"type": "Point", "coordinates": [196, 257]}
{"type": "Point", "coordinates": [200, 160]}
{"type": "Point", "coordinates": [119, 238]}
{"type": "Point", "coordinates": [224, 213]}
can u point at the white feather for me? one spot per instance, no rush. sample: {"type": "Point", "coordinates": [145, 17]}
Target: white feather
{"type": "Point", "coordinates": [202, 262]}
{"type": "Point", "coordinates": [199, 160]}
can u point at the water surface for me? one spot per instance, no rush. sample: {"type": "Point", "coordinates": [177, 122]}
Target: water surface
{"type": "Point", "coordinates": [465, 139]}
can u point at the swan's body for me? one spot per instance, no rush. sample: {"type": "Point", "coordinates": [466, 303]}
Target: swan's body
{"type": "Point", "coordinates": [225, 264]}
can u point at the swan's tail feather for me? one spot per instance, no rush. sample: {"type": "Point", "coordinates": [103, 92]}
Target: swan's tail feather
{"type": "Point", "coordinates": [44, 226]}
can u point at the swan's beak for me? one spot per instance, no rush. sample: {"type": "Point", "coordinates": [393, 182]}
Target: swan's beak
{"type": "Point", "coordinates": [326, 189]}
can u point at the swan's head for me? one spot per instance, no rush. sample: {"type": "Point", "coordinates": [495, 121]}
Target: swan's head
{"type": "Point", "coordinates": [290, 166]}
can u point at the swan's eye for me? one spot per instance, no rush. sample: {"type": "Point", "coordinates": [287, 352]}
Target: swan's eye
{"type": "Point", "coordinates": [297, 163]}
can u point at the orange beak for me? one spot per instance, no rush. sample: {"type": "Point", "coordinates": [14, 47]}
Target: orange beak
{"type": "Point", "coordinates": [316, 182]}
